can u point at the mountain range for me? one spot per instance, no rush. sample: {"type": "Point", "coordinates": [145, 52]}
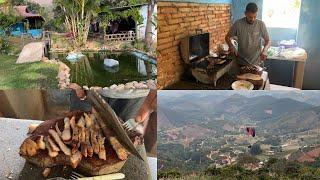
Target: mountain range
{"type": "Point", "coordinates": [268, 110]}
{"type": "Point", "coordinates": [298, 121]}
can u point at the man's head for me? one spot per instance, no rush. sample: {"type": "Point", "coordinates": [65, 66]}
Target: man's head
{"type": "Point", "coordinates": [251, 12]}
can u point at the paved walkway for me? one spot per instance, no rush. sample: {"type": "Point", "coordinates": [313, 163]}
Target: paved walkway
{"type": "Point", "coordinates": [31, 52]}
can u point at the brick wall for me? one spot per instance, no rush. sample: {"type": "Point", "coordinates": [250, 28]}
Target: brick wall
{"type": "Point", "coordinates": [178, 20]}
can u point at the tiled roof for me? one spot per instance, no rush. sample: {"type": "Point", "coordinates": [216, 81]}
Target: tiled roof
{"type": "Point", "coordinates": [23, 11]}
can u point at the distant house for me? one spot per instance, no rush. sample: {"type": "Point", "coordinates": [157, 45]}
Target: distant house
{"type": "Point", "coordinates": [270, 153]}
{"type": "Point", "coordinates": [31, 23]}
{"type": "Point", "coordinates": [253, 166]}
{"type": "Point", "coordinates": [237, 152]}
{"type": "Point", "coordinates": [223, 160]}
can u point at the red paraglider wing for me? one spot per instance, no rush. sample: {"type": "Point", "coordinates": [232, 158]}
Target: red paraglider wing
{"type": "Point", "coordinates": [251, 131]}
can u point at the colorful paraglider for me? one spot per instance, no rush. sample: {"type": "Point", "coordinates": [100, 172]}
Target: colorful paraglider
{"type": "Point", "coordinates": [251, 131]}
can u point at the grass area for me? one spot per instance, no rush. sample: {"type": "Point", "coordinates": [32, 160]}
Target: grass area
{"type": "Point", "coordinates": [16, 44]}
{"type": "Point", "coordinates": [23, 76]}
{"type": "Point", "coordinates": [191, 177]}
{"type": "Point", "coordinates": [59, 41]}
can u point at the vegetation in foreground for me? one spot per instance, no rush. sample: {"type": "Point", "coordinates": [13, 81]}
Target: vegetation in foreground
{"type": "Point", "coordinates": [273, 169]}
{"type": "Point", "coordinates": [31, 75]}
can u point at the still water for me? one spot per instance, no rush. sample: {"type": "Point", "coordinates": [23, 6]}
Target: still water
{"type": "Point", "coordinates": [90, 70]}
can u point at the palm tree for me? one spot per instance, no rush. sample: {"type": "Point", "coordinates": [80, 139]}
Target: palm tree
{"type": "Point", "coordinates": [8, 16]}
{"type": "Point", "coordinates": [78, 15]}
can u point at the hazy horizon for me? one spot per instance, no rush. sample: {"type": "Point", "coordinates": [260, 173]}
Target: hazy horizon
{"type": "Point", "coordinates": [310, 97]}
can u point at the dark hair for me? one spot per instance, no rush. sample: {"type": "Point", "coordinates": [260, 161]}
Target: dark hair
{"type": "Point", "coordinates": [252, 7]}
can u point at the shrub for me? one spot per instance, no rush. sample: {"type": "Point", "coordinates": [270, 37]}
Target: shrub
{"type": "Point", "coordinates": [126, 46]}
{"type": "Point", "coordinates": [4, 45]}
{"type": "Point", "coordinates": [212, 171]}
{"type": "Point", "coordinates": [169, 174]}
{"type": "Point", "coordinates": [7, 20]}
{"type": "Point", "coordinates": [255, 149]}
{"type": "Point", "coordinates": [140, 45]}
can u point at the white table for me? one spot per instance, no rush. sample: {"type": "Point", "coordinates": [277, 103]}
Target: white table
{"type": "Point", "coordinates": [299, 68]}
{"type": "Point", "coordinates": [12, 134]}
{"type": "Point", "coordinates": [274, 87]}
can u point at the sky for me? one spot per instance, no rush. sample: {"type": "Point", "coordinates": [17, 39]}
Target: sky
{"type": "Point", "coordinates": [311, 97]}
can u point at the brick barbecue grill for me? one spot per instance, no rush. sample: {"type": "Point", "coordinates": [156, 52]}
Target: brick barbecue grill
{"type": "Point", "coordinates": [205, 68]}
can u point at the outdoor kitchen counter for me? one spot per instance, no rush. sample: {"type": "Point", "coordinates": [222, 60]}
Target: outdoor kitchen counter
{"type": "Point", "coordinates": [299, 68]}
{"type": "Point", "coordinates": [14, 131]}
{"type": "Point", "coordinates": [224, 83]}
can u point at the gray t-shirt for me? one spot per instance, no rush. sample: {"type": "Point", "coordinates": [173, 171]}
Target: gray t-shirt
{"type": "Point", "coordinates": [250, 38]}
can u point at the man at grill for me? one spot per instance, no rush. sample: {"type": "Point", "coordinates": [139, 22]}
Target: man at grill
{"type": "Point", "coordinates": [249, 32]}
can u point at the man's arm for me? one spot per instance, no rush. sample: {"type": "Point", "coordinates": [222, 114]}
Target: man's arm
{"type": "Point", "coordinates": [232, 32]}
{"type": "Point", "coordinates": [264, 54]}
{"type": "Point", "coordinates": [232, 49]}
{"type": "Point", "coordinates": [267, 42]}
{"type": "Point", "coordinates": [149, 105]}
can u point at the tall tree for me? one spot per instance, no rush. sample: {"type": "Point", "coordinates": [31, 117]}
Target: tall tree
{"type": "Point", "coordinates": [150, 23]}
{"type": "Point", "coordinates": [255, 149]}
{"type": "Point", "coordinates": [107, 14]}
{"type": "Point", "coordinates": [77, 17]}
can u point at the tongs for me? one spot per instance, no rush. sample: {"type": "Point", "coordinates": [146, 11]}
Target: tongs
{"type": "Point", "coordinates": [109, 121]}
{"type": "Point", "coordinates": [250, 64]}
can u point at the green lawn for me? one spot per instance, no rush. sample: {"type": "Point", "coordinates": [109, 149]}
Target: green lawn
{"type": "Point", "coordinates": [23, 76]}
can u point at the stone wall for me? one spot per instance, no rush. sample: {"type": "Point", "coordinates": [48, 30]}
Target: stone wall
{"type": "Point", "coordinates": [178, 20]}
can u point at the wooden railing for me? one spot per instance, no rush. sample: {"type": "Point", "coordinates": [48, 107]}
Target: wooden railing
{"type": "Point", "coordinates": [127, 36]}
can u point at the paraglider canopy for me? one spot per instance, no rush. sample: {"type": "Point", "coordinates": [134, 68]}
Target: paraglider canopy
{"type": "Point", "coordinates": [251, 131]}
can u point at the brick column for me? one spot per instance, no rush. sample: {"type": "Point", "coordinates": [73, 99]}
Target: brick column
{"type": "Point", "coordinates": [178, 20]}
